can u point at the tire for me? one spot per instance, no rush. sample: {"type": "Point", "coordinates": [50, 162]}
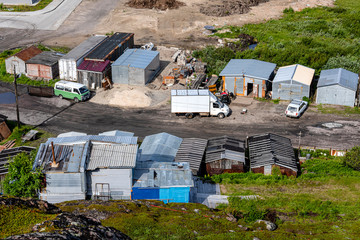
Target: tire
{"type": "Point", "coordinates": [76, 100]}
{"type": "Point", "coordinates": [189, 115]}
{"type": "Point", "coordinates": [221, 115]}
{"type": "Point", "coordinates": [61, 96]}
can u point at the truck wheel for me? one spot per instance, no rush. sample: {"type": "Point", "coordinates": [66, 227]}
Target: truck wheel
{"type": "Point", "coordinates": [221, 115]}
{"type": "Point", "coordinates": [76, 100]}
{"type": "Point", "coordinates": [61, 96]}
{"type": "Point", "coordinates": [189, 115]}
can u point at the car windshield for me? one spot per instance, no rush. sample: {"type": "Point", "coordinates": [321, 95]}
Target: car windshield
{"type": "Point", "coordinates": [293, 109]}
{"type": "Point", "coordinates": [220, 104]}
{"type": "Point", "coordinates": [83, 90]}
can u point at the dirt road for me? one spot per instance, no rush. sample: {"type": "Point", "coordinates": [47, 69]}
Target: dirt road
{"type": "Point", "coordinates": [56, 115]}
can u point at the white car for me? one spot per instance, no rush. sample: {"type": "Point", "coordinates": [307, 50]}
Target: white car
{"type": "Point", "coordinates": [296, 108]}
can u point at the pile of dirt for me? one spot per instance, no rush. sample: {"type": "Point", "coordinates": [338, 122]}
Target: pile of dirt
{"type": "Point", "coordinates": [157, 4]}
{"type": "Point", "coordinates": [229, 7]}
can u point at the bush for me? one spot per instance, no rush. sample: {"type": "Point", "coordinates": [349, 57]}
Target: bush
{"type": "Point", "coordinates": [21, 181]}
{"type": "Point", "coordinates": [352, 158]}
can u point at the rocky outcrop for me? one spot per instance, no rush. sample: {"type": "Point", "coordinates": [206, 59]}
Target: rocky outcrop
{"type": "Point", "coordinates": [70, 227]}
{"type": "Point", "coordinates": [30, 203]}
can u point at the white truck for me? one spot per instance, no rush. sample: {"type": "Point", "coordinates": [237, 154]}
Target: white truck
{"type": "Point", "coordinates": [193, 101]}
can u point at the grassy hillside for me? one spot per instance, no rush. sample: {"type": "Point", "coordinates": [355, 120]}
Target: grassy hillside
{"type": "Point", "coordinates": [320, 38]}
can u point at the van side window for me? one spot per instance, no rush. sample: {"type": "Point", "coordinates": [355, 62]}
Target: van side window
{"type": "Point", "coordinates": [76, 91]}
{"type": "Point", "coordinates": [59, 87]}
{"type": "Point", "coordinates": [215, 105]}
{"type": "Point", "coordinates": [68, 89]}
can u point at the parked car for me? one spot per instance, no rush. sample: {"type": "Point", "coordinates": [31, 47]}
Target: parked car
{"type": "Point", "coordinates": [71, 90]}
{"type": "Point", "coordinates": [296, 108]}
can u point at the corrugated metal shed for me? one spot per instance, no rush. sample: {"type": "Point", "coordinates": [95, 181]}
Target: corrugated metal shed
{"type": "Point", "coordinates": [84, 47]}
{"type": "Point", "coordinates": [117, 133]}
{"type": "Point", "coordinates": [71, 134]}
{"type": "Point", "coordinates": [45, 58]}
{"type": "Point", "coordinates": [137, 58]}
{"type": "Point", "coordinates": [297, 72]}
{"type": "Point", "coordinates": [192, 150]}
{"type": "Point", "coordinates": [225, 148]}
{"type": "Point", "coordinates": [112, 156]}
{"type": "Point", "coordinates": [248, 67]}
{"type": "Point", "coordinates": [270, 149]}
{"type": "Point", "coordinates": [338, 76]}
{"type": "Point", "coordinates": [161, 147]}
{"type": "Point", "coordinates": [94, 138]}
{"type": "Point", "coordinates": [107, 48]}
{"type": "Point", "coordinates": [164, 174]}
{"type": "Point", "coordinates": [93, 66]}
{"type": "Point", "coordinates": [28, 53]}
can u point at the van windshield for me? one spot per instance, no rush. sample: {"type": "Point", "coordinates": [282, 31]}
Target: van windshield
{"type": "Point", "coordinates": [220, 104]}
{"type": "Point", "coordinates": [83, 90]}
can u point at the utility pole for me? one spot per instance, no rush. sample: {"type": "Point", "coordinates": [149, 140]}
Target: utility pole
{"type": "Point", "coordinates": [16, 98]}
{"type": "Point", "coordinates": [299, 139]}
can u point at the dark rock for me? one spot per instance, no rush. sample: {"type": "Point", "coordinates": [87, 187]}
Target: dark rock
{"type": "Point", "coordinates": [30, 203]}
{"type": "Point", "coordinates": [70, 226]}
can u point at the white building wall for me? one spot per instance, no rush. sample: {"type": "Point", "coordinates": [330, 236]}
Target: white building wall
{"type": "Point", "coordinates": [20, 66]}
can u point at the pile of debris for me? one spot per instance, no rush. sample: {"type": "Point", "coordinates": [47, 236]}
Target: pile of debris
{"type": "Point", "coordinates": [157, 4]}
{"type": "Point", "coordinates": [229, 7]}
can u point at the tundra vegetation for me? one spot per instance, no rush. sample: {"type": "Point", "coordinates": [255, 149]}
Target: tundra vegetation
{"type": "Point", "coordinates": [320, 38]}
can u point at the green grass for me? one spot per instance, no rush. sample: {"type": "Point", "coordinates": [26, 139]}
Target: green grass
{"type": "Point", "coordinates": [18, 220]}
{"type": "Point", "coordinates": [338, 110]}
{"type": "Point", "coordinates": [5, 77]}
{"type": "Point", "coordinates": [25, 8]}
{"type": "Point", "coordinates": [320, 38]}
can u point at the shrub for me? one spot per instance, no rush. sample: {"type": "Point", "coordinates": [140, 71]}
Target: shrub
{"type": "Point", "coordinates": [352, 158]}
{"type": "Point", "coordinates": [21, 181]}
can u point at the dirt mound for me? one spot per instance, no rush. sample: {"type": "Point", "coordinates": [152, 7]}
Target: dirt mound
{"type": "Point", "coordinates": [157, 4]}
{"type": "Point", "coordinates": [230, 7]}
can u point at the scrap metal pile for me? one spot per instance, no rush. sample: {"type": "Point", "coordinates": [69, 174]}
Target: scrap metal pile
{"type": "Point", "coordinates": [229, 7]}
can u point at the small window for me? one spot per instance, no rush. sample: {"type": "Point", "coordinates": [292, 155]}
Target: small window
{"type": "Point", "coordinates": [59, 87]}
{"type": "Point", "coordinates": [76, 91]}
{"type": "Point", "coordinates": [215, 105]}
{"type": "Point", "coordinates": [68, 89]}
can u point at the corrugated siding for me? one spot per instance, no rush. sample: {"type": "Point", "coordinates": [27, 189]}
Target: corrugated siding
{"type": "Point", "coordinates": [335, 94]}
{"type": "Point", "coordinates": [83, 139]}
{"type": "Point", "coordinates": [112, 156]}
{"type": "Point", "coordinates": [57, 198]}
{"type": "Point", "coordinates": [289, 91]}
{"type": "Point", "coordinates": [117, 133]}
{"type": "Point", "coordinates": [63, 183]}
{"type": "Point", "coordinates": [339, 76]}
{"type": "Point", "coordinates": [136, 58]}
{"type": "Point", "coordinates": [175, 194]}
{"type": "Point", "coordinates": [119, 180]}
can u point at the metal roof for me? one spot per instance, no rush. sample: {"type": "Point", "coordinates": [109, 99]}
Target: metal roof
{"type": "Point", "coordinates": [269, 149]}
{"type": "Point", "coordinates": [338, 76]}
{"type": "Point", "coordinates": [161, 147]}
{"type": "Point", "coordinates": [84, 47]}
{"type": "Point", "coordinates": [95, 138]}
{"type": "Point", "coordinates": [71, 134]}
{"type": "Point", "coordinates": [192, 150]}
{"type": "Point", "coordinates": [136, 58]}
{"type": "Point", "coordinates": [117, 133]}
{"type": "Point", "coordinates": [45, 58]}
{"type": "Point", "coordinates": [164, 174]}
{"type": "Point", "coordinates": [112, 156]}
{"type": "Point", "coordinates": [28, 53]}
{"type": "Point", "coordinates": [93, 66]}
{"type": "Point", "coordinates": [225, 148]}
{"type": "Point", "coordinates": [248, 67]}
{"type": "Point", "coordinates": [107, 46]}
{"type": "Point", "coordinates": [295, 72]}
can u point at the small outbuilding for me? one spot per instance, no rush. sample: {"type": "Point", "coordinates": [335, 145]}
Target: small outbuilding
{"type": "Point", "coordinates": [91, 73]}
{"type": "Point", "coordinates": [268, 151]}
{"type": "Point", "coordinates": [337, 86]}
{"type": "Point", "coordinates": [68, 63]}
{"type": "Point", "coordinates": [112, 47]}
{"type": "Point", "coordinates": [19, 59]}
{"type": "Point", "coordinates": [136, 67]}
{"type": "Point", "coordinates": [225, 155]}
{"type": "Point", "coordinates": [292, 82]}
{"type": "Point", "coordinates": [248, 77]}
{"type": "Point", "coordinates": [164, 181]}
{"type": "Point", "coordinates": [192, 151]}
{"type": "Point", "coordinates": [44, 65]}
